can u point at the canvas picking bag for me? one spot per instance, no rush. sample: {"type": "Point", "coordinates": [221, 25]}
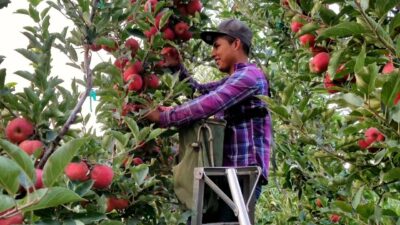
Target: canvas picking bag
{"type": "Point", "coordinates": [200, 145]}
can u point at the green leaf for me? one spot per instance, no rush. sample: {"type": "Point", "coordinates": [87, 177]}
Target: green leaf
{"type": "Point", "coordinates": [35, 2]}
{"type": "Point", "coordinates": [343, 206]}
{"type": "Point", "coordinates": [52, 197]}
{"type": "Point", "coordinates": [379, 156]}
{"type": "Point", "coordinates": [391, 175]}
{"type": "Point", "coordinates": [6, 202]}
{"type": "Point", "coordinates": [84, 4]}
{"type": "Point", "coordinates": [155, 133]}
{"type": "Point", "coordinates": [2, 78]}
{"type": "Point", "coordinates": [366, 78]}
{"type": "Point", "coordinates": [357, 198]}
{"type": "Point", "coordinates": [165, 17]}
{"type": "Point", "coordinates": [132, 126]}
{"type": "Point", "coordinates": [334, 62]}
{"type": "Point", "coordinates": [343, 29]}
{"type": "Point", "coordinates": [20, 157]}
{"type": "Point", "coordinates": [9, 175]}
{"type": "Point", "coordinates": [4, 3]}
{"type": "Point", "coordinates": [328, 16]}
{"type": "Point", "coordinates": [353, 99]}
{"type": "Point", "coordinates": [144, 132]}
{"type": "Point", "coordinates": [375, 27]}
{"type": "Point", "coordinates": [34, 14]}
{"type": "Point", "coordinates": [56, 163]}
{"type": "Point", "coordinates": [108, 68]}
{"type": "Point", "coordinates": [394, 24]}
{"type": "Point", "coordinates": [120, 137]}
{"type": "Point", "coordinates": [308, 28]}
{"type": "Point", "coordinates": [25, 74]}
{"type": "Point", "coordinates": [382, 7]}
{"type": "Point", "coordinates": [111, 222]}
{"type": "Point", "coordinates": [288, 93]}
{"type": "Point", "coordinates": [140, 173]}
{"type": "Point", "coordinates": [29, 55]}
{"type": "Point", "coordinates": [31, 95]}
{"type": "Point", "coordinates": [390, 89]}
{"type": "Point", "coordinates": [360, 60]}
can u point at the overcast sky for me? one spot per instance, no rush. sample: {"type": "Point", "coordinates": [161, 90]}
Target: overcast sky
{"type": "Point", "coordinates": [11, 26]}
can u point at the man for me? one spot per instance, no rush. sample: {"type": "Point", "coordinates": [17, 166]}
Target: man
{"type": "Point", "coordinates": [248, 134]}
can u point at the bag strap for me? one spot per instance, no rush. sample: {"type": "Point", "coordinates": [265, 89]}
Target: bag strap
{"type": "Point", "coordinates": [197, 145]}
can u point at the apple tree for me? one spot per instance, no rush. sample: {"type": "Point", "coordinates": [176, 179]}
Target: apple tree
{"type": "Point", "coordinates": [54, 169]}
{"type": "Point", "coordinates": [333, 69]}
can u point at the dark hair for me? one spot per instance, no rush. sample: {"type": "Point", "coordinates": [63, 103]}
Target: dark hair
{"type": "Point", "coordinates": [231, 39]}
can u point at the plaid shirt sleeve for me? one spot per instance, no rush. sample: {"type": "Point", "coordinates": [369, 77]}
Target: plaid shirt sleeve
{"type": "Point", "coordinates": [235, 88]}
{"type": "Point", "coordinates": [202, 88]}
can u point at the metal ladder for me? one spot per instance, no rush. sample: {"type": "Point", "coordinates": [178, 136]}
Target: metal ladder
{"type": "Point", "coordinates": [242, 202]}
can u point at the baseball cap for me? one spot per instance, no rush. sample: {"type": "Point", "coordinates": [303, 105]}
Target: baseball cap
{"type": "Point", "coordinates": [232, 27]}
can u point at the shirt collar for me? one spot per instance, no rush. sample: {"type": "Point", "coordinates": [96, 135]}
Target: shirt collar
{"type": "Point", "coordinates": [238, 66]}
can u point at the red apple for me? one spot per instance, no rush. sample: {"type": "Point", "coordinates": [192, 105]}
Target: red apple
{"type": "Point", "coordinates": [180, 28]}
{"type": "Point", "coordinates": [307, 40]}
{"type": "Point", "coordinates": [39, 180]}
{"type": "Point", "coordinates": [13, 220]}
{"type": "Point", "coordinates": [31, 146]}
{"type": "Point", "coordinates": [121, 62]}
{"type": "Point", "coordinates": [116, 203]}
{"type": "Point", "coordinates": [19, 129]}
{"type": "Point", "coordinates": [194, 6]}
{"type": "Point", "coordinates": [182, 9]}
{"type": "Point", "coordinates": [317, 49]}
{"type": "Point", "coordinates": [397, 99]}
{"type": "Point", "coordinates": [388, 68]}
{"type": "Point", "coordinates": [373, 134]}
{"type": "Point", "coordinates": [135, 82]}
{"type": "Point", "coordinates": [168, 34]}
{"type": "Point", "coordinates": [150, 33]}
{"type": "Point", "coordinates": [334, 218]}
{"type": "Point", "coordinates": [318, 203]}
{"type": "Point", "coordinates": [94, 47]}
{"type": "Point", "coordinates": [186, 36]}
{"type": "Point", "coordinates": [137, 161]}
{"type": "Point", "coordinates": [363, 144]}
{"type": "Point", "coordinates": [77, 171]}
{"type": "Point", "coordinates": [152, 81]}
{"type": "Point", "coordinates": [319, 63]}
{"type": "Point", "coordinates": [135, 68]}
{"type": "Point", "coordinates": [102, 175]}
{"type": "Point", "coordinates": [328, 84]}
{"type": "Point", "coordinates": [132, 45]}
{"type": "Point", "coordinates": [295, 26]}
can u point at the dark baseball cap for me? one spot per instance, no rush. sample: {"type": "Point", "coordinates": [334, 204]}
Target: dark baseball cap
{"type": "Point", "coordinates": [232, 27]}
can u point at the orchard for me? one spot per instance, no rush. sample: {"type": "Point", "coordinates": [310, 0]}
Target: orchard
{"type": "Point", "coordinates": [332, 65]}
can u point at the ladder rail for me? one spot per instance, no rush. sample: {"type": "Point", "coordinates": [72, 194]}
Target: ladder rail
{"type": "Point", "coordinates": [237, 196]}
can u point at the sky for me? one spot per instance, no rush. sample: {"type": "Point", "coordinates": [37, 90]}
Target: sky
{"type": "Point", "coordinates": [11, 38]}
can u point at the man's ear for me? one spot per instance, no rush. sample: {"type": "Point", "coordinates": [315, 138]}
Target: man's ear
{"type": "Point", "coordinates": [238, 44]}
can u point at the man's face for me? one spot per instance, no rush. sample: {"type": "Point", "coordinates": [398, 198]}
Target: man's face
{"type": "Point", "coordinates": [223, 53]}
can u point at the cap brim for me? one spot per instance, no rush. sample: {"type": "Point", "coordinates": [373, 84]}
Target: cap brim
{"type": "Point", "coordinates": [209, 36]}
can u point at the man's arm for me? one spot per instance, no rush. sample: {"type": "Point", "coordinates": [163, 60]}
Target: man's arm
{"type": "Point", "coordinates": [237, 87]}
{"type": "Point", "coordinates": [202, 88]}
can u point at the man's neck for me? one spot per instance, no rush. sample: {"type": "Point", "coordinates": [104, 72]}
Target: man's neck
{"type": "Point", "coordinates": [243, 59]}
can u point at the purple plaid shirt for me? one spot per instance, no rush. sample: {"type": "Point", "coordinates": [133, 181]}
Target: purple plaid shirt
{"type": "Point", "coordinates": [246, 142]}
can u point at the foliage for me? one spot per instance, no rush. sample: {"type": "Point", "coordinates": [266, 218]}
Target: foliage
{"type": "Point", "coordinates": [318, 128]}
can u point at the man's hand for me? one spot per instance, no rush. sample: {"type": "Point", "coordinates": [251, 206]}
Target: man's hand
{"type": "Point", "coordinates": [171, 56]}
{"type": "Point", "coordinates": [153, 116]}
